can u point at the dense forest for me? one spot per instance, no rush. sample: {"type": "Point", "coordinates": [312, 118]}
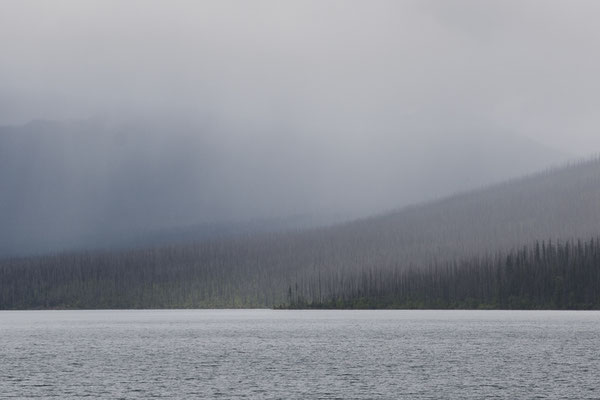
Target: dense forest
{"type": "Point", "coordinates": [542, 276]}
{"type": "Point", "coordinates": [445, 243]}
{"type": "Point", "coordinates": [169, 277]}
{"type": "Point", "coordinates": [545, 275]}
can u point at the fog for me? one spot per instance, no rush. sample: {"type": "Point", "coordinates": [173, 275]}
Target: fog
{"type": "Point", "coordinates": [232, 110]}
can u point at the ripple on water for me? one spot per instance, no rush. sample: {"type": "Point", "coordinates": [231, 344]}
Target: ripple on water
{"type": "Point", "coordinates": [299, 354]}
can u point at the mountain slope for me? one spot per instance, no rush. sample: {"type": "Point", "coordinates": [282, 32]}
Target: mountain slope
{"type": "Point", "coordinates": [261, 270]}
{"type": "Point", "coordinates": [102, 182]}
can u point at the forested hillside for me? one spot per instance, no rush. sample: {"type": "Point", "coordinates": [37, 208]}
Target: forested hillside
{"type": "Point", "coordinates": [475, 229]}
{"type": "Point", "coordinates": [540, 276]}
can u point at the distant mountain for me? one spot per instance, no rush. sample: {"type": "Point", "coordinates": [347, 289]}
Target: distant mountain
{"type": "Point", "coordinates": [102, 182]}
{"type": "Point", "coordinates": [557, 205]}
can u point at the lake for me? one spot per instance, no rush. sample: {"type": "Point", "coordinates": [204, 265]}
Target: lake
{"type": "Point", "coordinates": [300, 354]}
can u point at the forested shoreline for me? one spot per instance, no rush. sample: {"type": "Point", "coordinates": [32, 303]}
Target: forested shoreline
{"type": "Point", "coordinates": [166, 277]}
{"type": "Point", "coordinates": [542, 276]}
{"type": "Point", "coordinates": [545, 275]}
{"type": "Point", "coordinates": [450, 253]}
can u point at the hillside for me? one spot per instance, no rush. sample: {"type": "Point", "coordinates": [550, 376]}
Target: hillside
{"type": "Point", "coordinates": [260, 270]}
{"type": "Point", "coordinates": [543, 275]}
{"type": "Point", "coordinates": [113, 183]}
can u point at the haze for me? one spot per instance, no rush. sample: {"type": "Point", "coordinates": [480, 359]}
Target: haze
{"type": "Point", "coordinates": [267, 109]}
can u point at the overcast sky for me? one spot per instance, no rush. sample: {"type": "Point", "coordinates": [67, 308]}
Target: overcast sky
{"type": "Point", "coordinates": [528, 67]}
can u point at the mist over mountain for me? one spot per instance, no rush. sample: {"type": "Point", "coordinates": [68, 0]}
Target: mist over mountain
{"type": "Point", "coordinates": [123, 123]}
{"type": "Point", "coordinates": [261, 127]}
{"type": "Point", "coordinates": [432, 165]}
{"type": "Point", "coordinates": [105, 181]}
{"type": "Point", "coordinates": [473, 229]}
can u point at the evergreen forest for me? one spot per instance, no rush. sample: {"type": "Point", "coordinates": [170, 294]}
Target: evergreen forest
{"type": "Point", "coordinates": [521, 244]}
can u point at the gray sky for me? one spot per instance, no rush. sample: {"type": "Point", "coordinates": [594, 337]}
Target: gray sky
{"type": "Point", "coordinates": [316, 67]}
{"type": "Point", "coordinates": [174, 113]}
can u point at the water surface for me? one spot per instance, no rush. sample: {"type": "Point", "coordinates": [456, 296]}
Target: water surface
{"type": "Point", "coordinates": [300, 354]}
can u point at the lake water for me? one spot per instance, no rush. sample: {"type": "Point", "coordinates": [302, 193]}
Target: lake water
{"type": "Point", "coordinates": [300, 354]}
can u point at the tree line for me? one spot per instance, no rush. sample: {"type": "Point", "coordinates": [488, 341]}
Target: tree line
{"type": "Point", "coordinates": [401, 259]}
{"type": "Point", "coordinates": [545, 275]}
